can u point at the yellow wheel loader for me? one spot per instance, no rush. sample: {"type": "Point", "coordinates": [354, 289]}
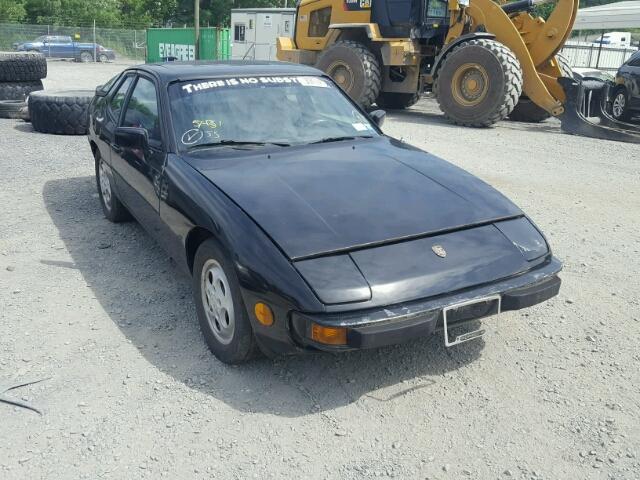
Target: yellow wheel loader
{"type": "Point", "coordinates": [484, 60]}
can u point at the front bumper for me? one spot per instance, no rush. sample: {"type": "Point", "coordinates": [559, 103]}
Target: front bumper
{"type": "Point", "coordinates": [403, 322]}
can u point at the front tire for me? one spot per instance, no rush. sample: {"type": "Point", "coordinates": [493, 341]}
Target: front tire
{"type": "Point", "coordinates": [355, 68]}
{"type": "Point", "coordinates": [620, 105]}
{"type": "Point", "coordinates": [479, 83]}
{"type": "Point", "coordinates": [221, 312]}
{"type": "Point", "coordinates": [113, 209]}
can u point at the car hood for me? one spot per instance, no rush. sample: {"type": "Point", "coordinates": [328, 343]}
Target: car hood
{"type": "Point", "coordinates": [330, 198]}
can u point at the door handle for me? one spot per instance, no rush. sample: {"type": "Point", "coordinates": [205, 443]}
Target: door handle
{"type": "Point", "coordinates": [116, 148]}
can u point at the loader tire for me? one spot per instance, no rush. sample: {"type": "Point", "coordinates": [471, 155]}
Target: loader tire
{"type": "Point", "coordinates": [527, 111]}
{"type": "Point", "coordinates": [397, 101]}
{"type": "Point", "coordinates": [60, 112]}
{"type": "Point", "coordinates": [479, 83]}
{"type": "Point", "coordinates": [355, 68]}
{"type": "Point", "coordinates": [22, 66]}
{"type": "Point", "coordinates": [18, 90]}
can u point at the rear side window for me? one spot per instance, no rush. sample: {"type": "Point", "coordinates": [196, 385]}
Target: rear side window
{"type": "Point", "coordinates": [142, 110]}
{"type": "Point", "coordinates": [319, 21]}
{"type": "Point", "coordinates": [117, 101]}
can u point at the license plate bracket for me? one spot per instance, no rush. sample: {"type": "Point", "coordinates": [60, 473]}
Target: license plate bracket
{"type": "Point", "coordinates": [469, 310]}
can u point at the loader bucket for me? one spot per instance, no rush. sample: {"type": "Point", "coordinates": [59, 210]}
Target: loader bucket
{"type": "Point", "coordinates": [585, 102]}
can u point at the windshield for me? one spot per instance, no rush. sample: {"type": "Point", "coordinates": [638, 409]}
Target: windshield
{"type": "Point", "coordinates": [281, 110]}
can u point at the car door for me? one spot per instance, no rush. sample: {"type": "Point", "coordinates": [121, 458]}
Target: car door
{"type": "Point", "coordinates": [47, 43]}
{"type": "Point", "coordinates": [138, 171]}
{"type": "Point", "coordinates": [102, 119]}
{"type": "Point", "coordinates": [57, 47]}
{"type": "Point", "coordinates": [633, 80]}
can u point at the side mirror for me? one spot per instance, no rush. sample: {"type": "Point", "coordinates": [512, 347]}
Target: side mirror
{"type": "Point", "coordinates": [131, 137]}
{"type": "Point", "coordinates": [378, 117]}
{"type": "Point", "coordinates": [100, 92]}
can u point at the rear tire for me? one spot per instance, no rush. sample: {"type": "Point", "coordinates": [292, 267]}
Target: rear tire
{"type": "Point", "coordinates": [355, 68]}
{"type": "Point", "coordinates": [221, 312]}
{"type": "Point", "coordinates": [527, 111]}
{"type": "Point", "coordinates": [397, 101]}
{"type": "Point", "coordinates": [479, 83]}
{"type": "Point", "coordinates": [86, 57]}
{"type": "Point", "coordinates": [113, 209]}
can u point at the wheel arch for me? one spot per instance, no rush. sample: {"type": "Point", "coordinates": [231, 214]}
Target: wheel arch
{"type": "Point", "coordinates": [196, 237]}
{"type": "Point", "coordinates": [354, 33]}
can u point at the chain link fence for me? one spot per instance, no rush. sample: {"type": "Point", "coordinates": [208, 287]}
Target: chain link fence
{"type": "Point", "coordinates": [128, 44]}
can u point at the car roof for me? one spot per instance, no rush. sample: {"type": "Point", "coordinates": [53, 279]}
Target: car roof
{"type": "Point", "coordinates": [171, 71]}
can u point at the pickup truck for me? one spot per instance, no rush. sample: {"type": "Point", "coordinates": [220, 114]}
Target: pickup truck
{"type": "Point", "coordinates": [61, 46]}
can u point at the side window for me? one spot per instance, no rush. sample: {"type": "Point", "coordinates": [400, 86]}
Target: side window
{"type": "Point", "coordinates": [142, 110]}
{"type": "Point", "coordinates": [635, 62]}
{"type": "Point", "coordinates": [319, 21]}
{"type": "Point", "coordinates": [117, 101]}
{"type": "Point", "coordinates": [238, 32]}
{"type": "Point", "coordinates": [437, 9]}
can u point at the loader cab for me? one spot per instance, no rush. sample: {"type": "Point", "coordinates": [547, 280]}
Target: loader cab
{"type": "Point", "coordinates": [410, 18]}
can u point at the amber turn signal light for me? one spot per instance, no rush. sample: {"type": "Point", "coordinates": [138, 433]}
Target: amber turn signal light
{"type": "Point", "coordinates": [329, 335]}
{"type": "Point", "coordinates": [263, 314]}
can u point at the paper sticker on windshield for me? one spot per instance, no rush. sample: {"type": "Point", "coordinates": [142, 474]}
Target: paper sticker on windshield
{"type": "Point", "coordinates": [312, 82]}
{"type": "Point", "coordinates": [361, 127]}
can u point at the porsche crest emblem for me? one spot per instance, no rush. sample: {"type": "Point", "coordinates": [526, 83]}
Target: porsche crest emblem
{"type": "Point", "coordinates": [439, 251]}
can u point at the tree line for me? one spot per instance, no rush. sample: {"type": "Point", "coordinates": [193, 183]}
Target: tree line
{"type": "Point", "coordinates": [125, 13]}
{"type": "Point", "coordinates": [147, 13]}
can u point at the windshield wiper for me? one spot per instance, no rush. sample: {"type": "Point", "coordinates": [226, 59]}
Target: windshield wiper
{"type": "Point", "coordinates": [235, 143]}
{"type": "Point", "coordinates": [340, 139]}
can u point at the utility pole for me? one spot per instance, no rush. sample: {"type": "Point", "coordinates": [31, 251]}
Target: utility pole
{"type": "Point", "coordinates": [196, 24]}
{"type": "Point", "coordinates": [95, 47]}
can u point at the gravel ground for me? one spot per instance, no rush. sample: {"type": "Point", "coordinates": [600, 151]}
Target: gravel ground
{"type": "Point", "coordinates": [131, 392]}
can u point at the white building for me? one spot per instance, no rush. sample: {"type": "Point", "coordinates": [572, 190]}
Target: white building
{"type": "Point", "coordinates": [254, 31]}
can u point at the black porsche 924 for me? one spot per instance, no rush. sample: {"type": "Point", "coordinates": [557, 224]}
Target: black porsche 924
{"type": "Point", "coordinates": [303, 226]}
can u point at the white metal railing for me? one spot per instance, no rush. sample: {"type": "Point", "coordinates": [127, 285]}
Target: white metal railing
{"type": "Point", "coordinates": [593, 56]}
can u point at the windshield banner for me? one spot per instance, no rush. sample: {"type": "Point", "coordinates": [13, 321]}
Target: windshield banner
{"type": "Point", "coordinates": [244, 82]}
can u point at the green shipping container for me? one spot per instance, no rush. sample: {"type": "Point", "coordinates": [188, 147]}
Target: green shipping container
{"type": "Point", "coordinates": [179, 43]}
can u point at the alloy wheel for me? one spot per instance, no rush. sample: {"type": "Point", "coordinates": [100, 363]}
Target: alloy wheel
{"type": "Point", "coordinates": [105, 184]}
{"type": "Point", "coordinates": [619, 104]}
{"type": "Point", "coordinates": [217, 301]}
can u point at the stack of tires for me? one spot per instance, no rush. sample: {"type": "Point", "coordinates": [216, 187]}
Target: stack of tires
{"type": "Point", "coordinates": [20, 74]}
